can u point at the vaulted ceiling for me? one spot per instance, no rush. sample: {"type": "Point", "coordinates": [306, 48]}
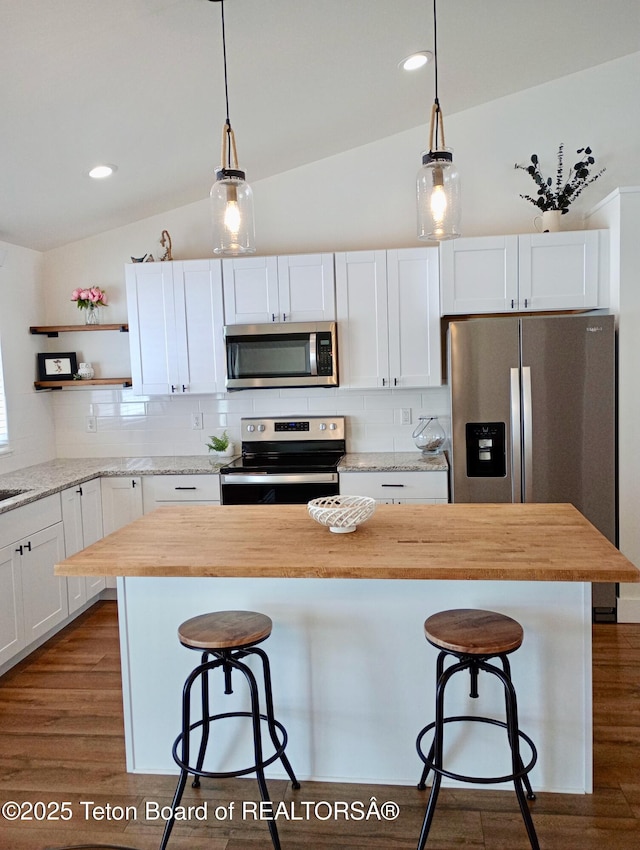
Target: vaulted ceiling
{"type": "Point", "coordinates": [139, 83]}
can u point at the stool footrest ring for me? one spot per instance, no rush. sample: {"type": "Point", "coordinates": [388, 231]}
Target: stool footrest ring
{"type": "Point", "coordinates": [230, 773]}
{"type": "Point", "coordinates": [489, 780]}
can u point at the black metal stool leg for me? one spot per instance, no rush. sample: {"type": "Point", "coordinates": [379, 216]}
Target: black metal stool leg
{"type": "Point", "coordinates": [436, 751]}
{"type": "Point", "coordinates": [257, 745]}
{"type": "Point", "coordinates": [184, 774]}
{"type": "Point", "coordinates": [525, 777]}
{"type": "Point", "coordinates": [422, 784]}
{"type": "Point", "coordinates": [514, 740]}
{"type": "Point", "coordinates": [271, 714]}
{"type": "Point", "coordinates": [205, 722]}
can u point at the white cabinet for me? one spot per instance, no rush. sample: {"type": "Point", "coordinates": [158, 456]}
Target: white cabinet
{"type": "Point", "coordinates": [388, 318]}
{"type": "Point", "coordinates": [533, 271]}
{"type": "Point", "coordinates": [397, 487]}
{"type": "Point", "coordinates": [32, 599]}
{"type": "Point", "coordinates": [161, 490]}
{"type": "Point", "coordinates": [82, 521]}
{"type": "Point", "coordinates": [259, 290]}
{"type": "Point", "coordinates": [11, 612]}
{"type": "Point", "coordinates": [44, 594]}
{"type": "Point", "coordinates": [121, 504]}
{"type": "Point", "coordinates": [175, 327]}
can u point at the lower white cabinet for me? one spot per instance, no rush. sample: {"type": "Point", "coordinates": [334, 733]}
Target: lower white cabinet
{"type": "Point", "coordinates": [11, 610]}
{"type": "Point", "coordinates": [32, 599]}
{"type": "Point", "coordinates": [162, 490]}
{"type": "Point", "coordinates": [397, 487]}
{"type": "Point", "coordinates": [44, 594]}
{"type": "Point", "coordinates": [121, 504]}
{"type": "Point", "coordinates": [82, 519]}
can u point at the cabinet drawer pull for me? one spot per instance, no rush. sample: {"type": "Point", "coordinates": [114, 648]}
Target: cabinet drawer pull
{"type": "Point", "coordinates": [392, 485]}
{"type": "Point", "coordinates": [185, 488]}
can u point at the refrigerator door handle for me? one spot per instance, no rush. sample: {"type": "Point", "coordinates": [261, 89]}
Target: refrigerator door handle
{"type": "Point", "coordinates": [527, 433]}
{"type": "Point", "coordinates": [516, 453]}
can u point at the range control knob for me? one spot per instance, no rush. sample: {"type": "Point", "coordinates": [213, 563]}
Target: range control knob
{"type": "Point", "coordinates": [251, 427]}
{"type": "Point", "coordinates": [261, 428]}
{"type": "Point", "coordinates": [333, 426]}
{"type": "Point", "coordinates": [322, 426]}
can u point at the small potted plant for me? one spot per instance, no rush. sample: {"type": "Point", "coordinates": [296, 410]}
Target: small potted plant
{"type": "Point", "coordinates": [554, 198]}
{"type": "Point", "coordinates": [222, 446]}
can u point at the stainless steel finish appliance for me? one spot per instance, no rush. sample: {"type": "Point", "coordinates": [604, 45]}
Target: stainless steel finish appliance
{"type": "Point", "coordinates": [533, 412]}
{"type": "Point", "coordinates": [285, 354]}
{"type": "Point", "coordinates": [285, 460]}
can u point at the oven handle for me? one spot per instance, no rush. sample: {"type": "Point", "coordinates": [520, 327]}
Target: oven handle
{"type": "Point", "coordinates": [293, 478]}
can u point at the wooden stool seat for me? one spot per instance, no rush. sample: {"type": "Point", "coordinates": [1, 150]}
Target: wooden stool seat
{"type": "Point", "coordinates": [470, 631]}
{"type": "Point", "coordinates": [225, 630]}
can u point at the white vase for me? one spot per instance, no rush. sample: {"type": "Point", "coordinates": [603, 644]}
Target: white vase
{"type": "Point", "coordinates": [549, 221]}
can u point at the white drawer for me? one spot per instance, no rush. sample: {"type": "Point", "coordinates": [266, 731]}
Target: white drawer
{"type": "Point", "coordinates": [181, 488]}
{"type": "Point", "coordinates": [26, 520]}
{"type": "Point", "coordinates": [395, 485]}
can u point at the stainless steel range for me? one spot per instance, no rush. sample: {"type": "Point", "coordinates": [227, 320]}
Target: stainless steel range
{"type": "Point", "coordinates": [285, 460]}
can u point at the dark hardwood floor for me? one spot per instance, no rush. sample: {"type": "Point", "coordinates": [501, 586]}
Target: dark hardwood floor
{"type": "Point", "coordinates": [61, 740]}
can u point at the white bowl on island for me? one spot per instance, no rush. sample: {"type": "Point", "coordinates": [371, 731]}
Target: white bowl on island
{"type": "Point", "coordinates": [341, 513]}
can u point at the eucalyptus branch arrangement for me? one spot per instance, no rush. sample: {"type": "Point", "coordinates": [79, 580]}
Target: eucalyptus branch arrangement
{"type": "Point", "coordinates": [565, 191]}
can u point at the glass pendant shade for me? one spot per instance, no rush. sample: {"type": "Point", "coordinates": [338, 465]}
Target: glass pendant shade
{"type": "Point", "coordinates": [232, 214]}
{"type": "Point", "coordinates": [438, 188]}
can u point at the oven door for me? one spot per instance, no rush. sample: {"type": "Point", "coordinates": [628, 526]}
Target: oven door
{"type": "Point", "coordinates": [274, 489]}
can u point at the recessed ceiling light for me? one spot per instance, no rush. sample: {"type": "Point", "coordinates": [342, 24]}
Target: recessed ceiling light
{"type": "Point", "coordinates": [102, 171]}
{"type": "Point", "coordinates": [416, 60]}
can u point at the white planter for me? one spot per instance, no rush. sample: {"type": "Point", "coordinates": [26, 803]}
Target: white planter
{"type": "Point", "coordinates": [228, 452]}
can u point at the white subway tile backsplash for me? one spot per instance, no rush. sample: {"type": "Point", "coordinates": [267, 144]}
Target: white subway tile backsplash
{"type": "Point", "coordinates": [131, 426]}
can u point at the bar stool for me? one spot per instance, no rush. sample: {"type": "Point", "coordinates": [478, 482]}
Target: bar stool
{"type": "Point", "coordinates": [473, 637]}
{"type": "Point", "coordinates": [225, 638]}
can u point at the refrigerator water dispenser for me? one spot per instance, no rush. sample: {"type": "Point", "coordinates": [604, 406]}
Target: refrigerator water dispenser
{"type": "Point", "coordinates": [486, 450]}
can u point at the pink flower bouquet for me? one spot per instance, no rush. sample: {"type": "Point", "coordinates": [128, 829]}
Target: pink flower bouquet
{"type": "Point", "coordinates": [89, 298]}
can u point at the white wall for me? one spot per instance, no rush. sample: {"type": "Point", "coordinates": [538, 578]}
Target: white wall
{"type": "Point", "coordinates": [31, 426]}
{"type": "Point", "coordinates": [363, 198]}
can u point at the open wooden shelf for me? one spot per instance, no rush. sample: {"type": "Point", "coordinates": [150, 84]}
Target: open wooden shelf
{"type": "Point", "coordinates": [96, 382]}
{"type": "Point", "coordinates": [54, 330]}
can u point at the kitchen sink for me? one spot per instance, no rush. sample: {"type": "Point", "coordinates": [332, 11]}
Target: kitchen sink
{"type": "Point", "coordinates": [8, 494]}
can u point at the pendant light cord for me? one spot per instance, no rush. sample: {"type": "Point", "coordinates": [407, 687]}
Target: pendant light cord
{"type": "Point", "coordinates": [226, 84]}
{"type": "Point", "coordinates": [437, 119]}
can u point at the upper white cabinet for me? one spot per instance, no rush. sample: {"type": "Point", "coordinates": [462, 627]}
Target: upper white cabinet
{"type": "Point", "coordinates": [82, 521]}
{"type": "Point", "coordinates": [533, 271]}
{"type": "Point", "coordinates": [388, 318]}
{"type": "Point", "coordinates": [299, 288]}
{"type": "Point", "coordinates": [175, 327]}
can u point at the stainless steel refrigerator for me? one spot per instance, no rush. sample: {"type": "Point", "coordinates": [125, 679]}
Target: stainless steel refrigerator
{"type": "Point", "coordinates": [533, 417]}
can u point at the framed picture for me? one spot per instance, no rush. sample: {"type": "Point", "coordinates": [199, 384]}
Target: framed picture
{"type": "Point", "coordinates": [57, 367]}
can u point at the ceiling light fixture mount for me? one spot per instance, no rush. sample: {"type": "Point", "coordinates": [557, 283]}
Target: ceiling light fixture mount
{"type": "Point", "coordinates": [438, 182]}
{"type": "Point", "coordinates": [99, 172]}
{"type": "Point", "coordinates": [416, 60]}
{"type": "Point", "coordinates": [231, 196]}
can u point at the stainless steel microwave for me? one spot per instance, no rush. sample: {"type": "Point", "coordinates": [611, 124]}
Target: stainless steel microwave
{"type": "Point", "coordinates": [285, 354]}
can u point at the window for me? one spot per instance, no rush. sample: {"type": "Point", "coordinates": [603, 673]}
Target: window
{"type": "Point", "coordinates": [4, 434]}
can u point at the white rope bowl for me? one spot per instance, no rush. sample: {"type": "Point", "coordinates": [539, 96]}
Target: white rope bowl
{"type": "Point", "coordinates": [341, 513]}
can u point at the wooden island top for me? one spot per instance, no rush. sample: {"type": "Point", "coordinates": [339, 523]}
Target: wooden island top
{"type": "Point", "coordinates": [506, 542]}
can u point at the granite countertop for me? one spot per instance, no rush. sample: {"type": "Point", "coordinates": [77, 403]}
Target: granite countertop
{"type": "Point", "coordinates": [44, 479]}
{"type": "Point", "coordinates": [392, 462]}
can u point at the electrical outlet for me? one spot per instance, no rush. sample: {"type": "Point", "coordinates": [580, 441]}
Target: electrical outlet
{"type": "Point", "coordinates": [196, 422]}
{"type": "Point", "coordinates": [91, 424]}
{"type": "Point", "coordinates": [405, 416]}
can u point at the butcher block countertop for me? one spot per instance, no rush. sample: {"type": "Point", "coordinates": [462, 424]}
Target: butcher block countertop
{"type": "Point", "coordinates": [532, 542]}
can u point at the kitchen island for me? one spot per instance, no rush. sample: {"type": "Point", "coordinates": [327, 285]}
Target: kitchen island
{"type": "Point", "coordinates": [353, 674]}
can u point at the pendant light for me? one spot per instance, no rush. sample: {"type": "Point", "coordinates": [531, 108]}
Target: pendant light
{"type": "Point", "coordinates": [231, 196]}
{"type": "Point", "coordinates": [438, 183]}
